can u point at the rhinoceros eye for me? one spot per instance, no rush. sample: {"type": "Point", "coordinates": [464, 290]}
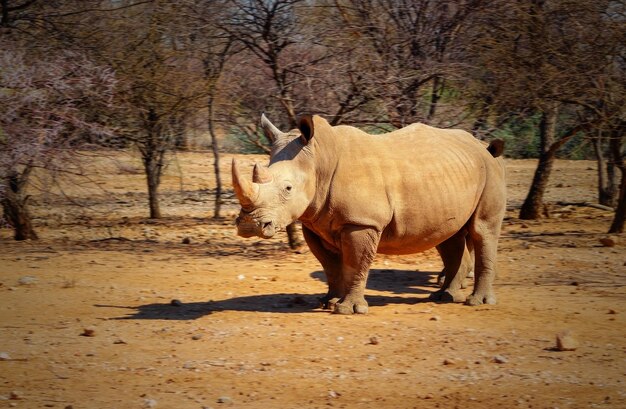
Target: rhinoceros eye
{"type": "Point", "coordinates": [288, 188]}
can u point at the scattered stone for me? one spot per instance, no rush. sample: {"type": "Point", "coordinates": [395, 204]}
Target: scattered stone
{"type": "Point", "coordinates": [374, 341]}
{"type": "Point", "coordinates": [611, 311]}
{"type": "Point", "coordinates": [4, 356]}
{"type": "Point", "coordinates": [27, 280]}
{"type": "Point", "coordinates": [565, 341]}
{"type": "Point", "coordinates": [69, 407]}
{"type": "Point", "coordinates": [119, 341]}
{"type": "Point", "coordinates": [449, 361]}
{"type": "Point", "coordinates": [89, 332]}
{"type": "Point", "coordinates": [575, 283]}
{"type": "Point", "coordinates": [186, 240]}
{"type": "Point", "coordinates": [196, 337]}
{"type": "Point", "coordinates": [149, 403]}
{"type": "Point", "coordinates": [14, 395]}
{"type": "Point", "coordinates": [224, 399]}
{"type": "Point", "coordinates": [333, 394]}
{"type": "Point", "coordinates": [499, 359]}
{"type": "Point", "coordinates": [176, 303]}
{"type": "Point", "coordinates": [435, 318]}
{"type": "Point", "coordinates": [241, 277]}
{"type": "Point", "coordinates": [608, 241]}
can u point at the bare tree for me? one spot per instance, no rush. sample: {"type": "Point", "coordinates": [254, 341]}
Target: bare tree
{"type": "Point", "coordinates": [47, 105]}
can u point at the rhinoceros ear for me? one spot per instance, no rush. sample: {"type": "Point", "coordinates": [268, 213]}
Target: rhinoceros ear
{"type": "Point", "coordinates": [271, 132]}
{"type": "Point", "coordinates": [305, 124]}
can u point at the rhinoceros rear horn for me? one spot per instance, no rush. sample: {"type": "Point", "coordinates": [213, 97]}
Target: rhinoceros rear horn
{"type": "Point", "coordinates": [246, 191]}
{"type": "Point", "coordinates": [261, 174]}
{"type": "Point", "coordinates": [271, 132]}
{"type": "Point", "coordinates": [305, 124]}
{"type": "Point", "coordinates": [496, 147]}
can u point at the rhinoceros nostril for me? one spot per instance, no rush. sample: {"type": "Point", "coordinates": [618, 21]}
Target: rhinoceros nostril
{"type": "Point", "coordinates": [267, 225]}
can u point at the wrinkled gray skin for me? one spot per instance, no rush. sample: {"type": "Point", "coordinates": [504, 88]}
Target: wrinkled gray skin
{"type": "Point", "coordinates": [400, 193]}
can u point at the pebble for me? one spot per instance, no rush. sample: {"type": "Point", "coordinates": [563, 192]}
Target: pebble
{"type": "Point", "coordinates": [196, 337]}
{"type": "Point", "coordinates": [149, 403]}
{"type": "Point", "coordinates": [89, 332]}
{"type": "Point", "coordinates": [611, 311]}
{"type": "Point", "coordinates": [374, 341]}
{"type": "Point", "coordinates": [565, 341]}
{"type": "Point", "coordinates": [27, 280]}
{"type": "Point", "coordinates": [499, 359]}
{"type": "Point", "coordinates": [186, 240]}
{"type": "Point", "coordinates": [176, 303]}
{"type": "Point", "coordinates": [224, 399]}
{"type": "Point", "coordinates": [4, 356]}
{"type": "Point", "coordinates": [333, 394]}
{"type": "Point", "coordinates": [608, 241]}
{"type": "Point", "coordinates": [435, 318]}
{"type": "Point", "coordinates": [15, 395]}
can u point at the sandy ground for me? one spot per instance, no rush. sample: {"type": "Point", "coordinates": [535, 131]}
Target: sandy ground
{"type": "Point", "coordinates": [112, 310]}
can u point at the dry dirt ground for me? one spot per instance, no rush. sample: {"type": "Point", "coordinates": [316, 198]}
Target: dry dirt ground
{"type": "Point", "coordinates": [112, 310]}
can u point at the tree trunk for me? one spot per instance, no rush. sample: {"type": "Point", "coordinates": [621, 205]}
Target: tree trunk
{"type": "Point", "coordinates": [152, 162]}
{"type": "Point", "coordinates": [434, 98]}
{"type": "Point", "coordinates": [295, 242]}
{"type": "Point", "coordinates": [533, 204]}
{"type": "Point", "coordinates": [617, 226]}
{"type": "Point", "coordinates": [15, 208]}
{"type": "Point", "coordinates": [607, 186]}
{"type": "Point", "coordinates": [216, 162]}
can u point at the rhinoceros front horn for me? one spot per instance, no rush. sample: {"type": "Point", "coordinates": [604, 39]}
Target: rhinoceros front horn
{"type": "Point", "coordinates": [246, 190]}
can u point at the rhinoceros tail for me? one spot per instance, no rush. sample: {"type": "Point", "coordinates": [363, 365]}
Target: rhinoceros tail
{"type": "Point", "coordinates": [496, 147]}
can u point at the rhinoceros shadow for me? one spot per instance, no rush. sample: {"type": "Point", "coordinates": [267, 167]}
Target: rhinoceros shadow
{"type": "Point", "coordinates": [394, 281]}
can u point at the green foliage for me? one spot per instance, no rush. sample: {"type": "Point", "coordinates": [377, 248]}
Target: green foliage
{"type": "Point", "coordinates": [521, 137]}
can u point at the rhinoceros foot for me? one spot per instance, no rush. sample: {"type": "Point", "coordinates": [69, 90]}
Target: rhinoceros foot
{"type": "Point", "coordinates": [479, 299]}
{"type": "Point", "coordinates": [351, 306]}
{"type": "Point", "coordinates": [328, 302]}
{"type": "Point", "coordinates": [447, 296]}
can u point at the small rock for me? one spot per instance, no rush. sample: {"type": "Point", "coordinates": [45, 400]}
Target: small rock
{"type": "Point", "coordinates": [333, 394]}
{"type": "Point", "coordinates": [149, 403]}
{"type": "Point", "coordinates": [119, 342]}
{"type": "Point", "coordinates": [27, 280]}
{"type": "Point", "coordinates": [186, 240]}
{"type": "Point", "coordinates": [89, 332]}
{"type": "Point", "coordinates": [196, 337]}
{"type": "Point", "coordinates": [435, 318]}
{"type": "Point", "coordinates": [611, 311]}
{"type": "Point", "coordinates": [448, 361]}
{"type": "Point", "coordinates": [374, 341]}
{"type": "Point", "coordinates": [565, 341]}
{"type": "Point", "coordinates": [241, 277]}
{"type": "Point", "coordinates": [224, 399]}
{"type": "Point", "coordinates": [176, 303]}
{"type": "Point", "coordinates": [499, 359]}
{"type": "Point", "coordinates": [14, 395]}
{"type": "Point", "coordinates": [608, 241]}
{"type": "Point", "coordinates": [4, 356]}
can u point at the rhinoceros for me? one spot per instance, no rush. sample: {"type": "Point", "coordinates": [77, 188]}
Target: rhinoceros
{"type": "Point", "coordinates": [358, 194]}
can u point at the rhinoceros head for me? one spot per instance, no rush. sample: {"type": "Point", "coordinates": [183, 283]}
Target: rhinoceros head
{"type": "Point", "coordinates": [278, 194]}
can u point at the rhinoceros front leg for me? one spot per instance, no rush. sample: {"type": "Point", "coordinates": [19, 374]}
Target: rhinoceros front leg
{"type": "Point", "coordinates": [456, 262]}
{"type": "Point", "coordinates": [358, 249]}
{"type": "Point", "coordinates": [331, 262]}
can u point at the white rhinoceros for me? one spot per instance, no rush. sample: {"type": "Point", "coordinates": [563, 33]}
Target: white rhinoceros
{"type": "Point", "coordinates": [358, 194]}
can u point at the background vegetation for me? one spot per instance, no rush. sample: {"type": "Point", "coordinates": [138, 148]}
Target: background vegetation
{"type": "Point", "coordinates": [548, 76]}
